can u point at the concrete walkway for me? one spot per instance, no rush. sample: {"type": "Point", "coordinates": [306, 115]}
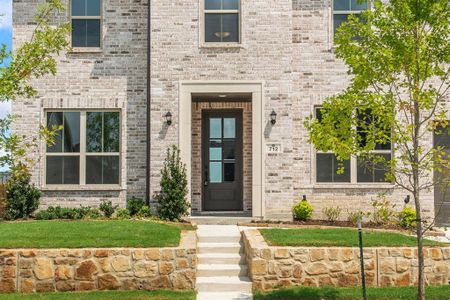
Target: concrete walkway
{"type": "Point", "coordinates": [221, 270]}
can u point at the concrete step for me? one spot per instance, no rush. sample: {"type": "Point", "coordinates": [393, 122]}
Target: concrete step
{"type": "Point", "coordinates": [214, 270]}
{"type": "Point", "coordinates": [218, 238]}
{"type": "Point", "coordinates": [224, 284]}
{"type": "Point", "coordinates": [224, 296]}
{"type": "Point", "coordinates": [219, 247]}
{"type": "Point", "coordinates": [220, 220]}
{"type": "Point", "coordinates": [221, 258]}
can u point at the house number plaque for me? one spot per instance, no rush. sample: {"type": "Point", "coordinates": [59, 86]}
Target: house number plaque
{"type": "Point", "coordinates": [274, 148]}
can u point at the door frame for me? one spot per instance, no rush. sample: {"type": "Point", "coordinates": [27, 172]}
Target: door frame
{"type": "Point", "coordinates": [259, 120]}
{"type": "Point", "coordinates": [238, 112]}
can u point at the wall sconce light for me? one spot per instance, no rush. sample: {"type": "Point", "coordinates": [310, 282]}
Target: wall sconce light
{"type": "Point", "coordinates": [168, 118]}
{"type": "Point", "coordinates": [407, 199]}
{"type": "Point", "coordinates": [273, 117]}
{"type": "Point", "coordinates": [304, 197]}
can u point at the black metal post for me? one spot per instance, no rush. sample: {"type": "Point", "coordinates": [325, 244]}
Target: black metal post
{"type": "Point", "coordinates": [361, 255]}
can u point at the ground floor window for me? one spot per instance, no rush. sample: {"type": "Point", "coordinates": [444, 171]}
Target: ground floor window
{"type": "Point", "coordinates": [86, 150]}
{"type": "Point", "coordinates": [356, 169]}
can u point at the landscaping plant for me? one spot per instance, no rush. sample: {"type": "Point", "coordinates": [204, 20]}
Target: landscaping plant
{"type": "Point", "coordinates": [66, 213]}
{"type": "Point", "coordinates": [332, 214]}
{"type": "Point", "coordinates": [107, 208]}
{"type": "Point", "coordinates": [302, 210]}
{"type": "Point", "coordinates": [122, 214]}
{"type": "Point", "coordinates": [134, 205]}
{"type": "Point", "coordinates": [383, 211]}
{"type": "Point", "coordinates": [22, 197]}
{"type": "Point", "coordinates": [407, 218]}
{"type": "Point", "coordinates": [94, 213]}
{"type": "Point", "coordinates": [354, 216]}
{"type": "Point", "coordinates": [144, 212]}
{"type": "Point", "coordinates": [398, 59]}
{"type": "Point", "coordinates": [172, 202]}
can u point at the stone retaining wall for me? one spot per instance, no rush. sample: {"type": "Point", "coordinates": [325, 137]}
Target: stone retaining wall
{"type": "Point", "coordinates": [48, 270]}
{"type": "Point", "coordinates": [271, 267]}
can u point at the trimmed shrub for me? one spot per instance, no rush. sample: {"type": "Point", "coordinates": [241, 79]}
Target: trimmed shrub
{"type": "Point", "coordinates": [172, 202]}
{"type": "Point", "coordinates": [354, 216]}
{"type": "Point", "coordinates": [407, 218]}
{"type": "Point", "coordinates": [22, 197]}
{"type": "Point", "coordinates": [45, 215]}
{"type": "Point", "coordinates": [107, 208]}
{"type": "Point", "coordinates": [332, 214]}
{"type": "Point", "coordinates": [144, 212]}
{"type": "Point", "coordinates": [64, 213]}
{"type": "Point", "coordinates": [134, 205]}
{"type": "Point", "coordinates": [122, 214]}
{"type": "Point", "coordinates": [302, 211]}
{"type": "Point", "coordinates": [94, 213]}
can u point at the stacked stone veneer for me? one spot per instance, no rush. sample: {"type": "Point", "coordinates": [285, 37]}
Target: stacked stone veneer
{"type": "Point", "coordinates": [271, 267]}
{"type": "Point", "coordinates": [48, 270]}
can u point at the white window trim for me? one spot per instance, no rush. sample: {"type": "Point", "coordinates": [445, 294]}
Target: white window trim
{"type": "Point", "coordinates": [83, 154]}
{"type": "Point", "coordinates": [203, 12]}
{"type": "Point", "coordinates": [353, 168]}
{"type": "Point", "coordinates": [100, 17]}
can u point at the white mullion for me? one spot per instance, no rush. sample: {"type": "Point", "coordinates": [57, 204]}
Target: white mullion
{"type": "Point", "coordinates": [102, 154]}
{"type": "Point", "coordinates": [62, 154]}
{"type": "Point", "coordinates": [353, 169]}
{"type": "Point", "coordinates": [86, 17]}
{"type": "Point", "coordinates": [225, 11]}
{"type": "Point", "coordinates": [83, 148]}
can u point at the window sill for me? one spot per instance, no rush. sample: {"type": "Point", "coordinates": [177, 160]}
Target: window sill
{"type": "Point", "coordinates": [353, 186]}
{"type": "Point", "coordinates": [221, 45]}
{"type": "Point", "coordinates": [82, 188]}
{"type": "Point", "coordinates": [85, 50]}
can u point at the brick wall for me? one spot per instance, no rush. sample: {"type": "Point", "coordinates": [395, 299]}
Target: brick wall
{"type": "Point", "coordinates": [286, 44]}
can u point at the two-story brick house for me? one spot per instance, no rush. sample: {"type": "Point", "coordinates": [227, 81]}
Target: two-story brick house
{"type": "Point", "coordinates": [230, 82]}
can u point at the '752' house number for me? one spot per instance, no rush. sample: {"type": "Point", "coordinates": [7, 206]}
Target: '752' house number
{"type": "Point", "coordinates": [274, 148]}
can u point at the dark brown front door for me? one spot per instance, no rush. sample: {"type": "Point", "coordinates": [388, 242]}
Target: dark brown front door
{"type": "Point", "coordinates": [222, 160]}
{"type": "Point", "coordinates": [442, 192]}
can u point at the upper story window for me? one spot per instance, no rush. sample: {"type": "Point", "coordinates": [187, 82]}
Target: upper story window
{"type": "Point", "coordinates": [86, 23]}
{"type": "Point", "coordinates": [343, 8]}
{"type": "Point", "coordinates": [87, 149]}
{"type": "Point", "coordinates": [222, 21]}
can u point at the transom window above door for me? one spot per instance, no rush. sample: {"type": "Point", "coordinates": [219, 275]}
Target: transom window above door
{"type": "Point", "coordinates": [86, 23]}
{"type": "Point", "coordinates": [222, 21]}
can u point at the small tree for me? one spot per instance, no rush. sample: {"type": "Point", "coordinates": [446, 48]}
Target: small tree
{"type": "Point", "coordinates": [399, 58]}
{"type": "Point", "coordinates": [33, 59]}
{"type": "Point", "coordinates": [172, 202]}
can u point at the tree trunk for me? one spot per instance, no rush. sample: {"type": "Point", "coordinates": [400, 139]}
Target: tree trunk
{"type": "Point", "coordinates": [420, 256]}
{"type": "Point", "coordinates": [416, 188]}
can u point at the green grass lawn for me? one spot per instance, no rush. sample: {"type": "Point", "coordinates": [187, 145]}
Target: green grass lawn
{"type": "Point", "coordinates": [393, 293]}
{"type": "Point", "coordinates": [81, 234]}
{"type": "Point", "coordinates": [109, 295]}
{"type": "Point", "coordinates": [339, 237]}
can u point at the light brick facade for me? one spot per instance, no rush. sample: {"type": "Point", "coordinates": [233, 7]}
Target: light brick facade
{"type": "Point", "coordinates": [286, 44]}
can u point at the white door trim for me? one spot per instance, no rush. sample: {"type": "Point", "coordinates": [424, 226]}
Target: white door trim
{"type": "Point", "coordinates": [186, 88]}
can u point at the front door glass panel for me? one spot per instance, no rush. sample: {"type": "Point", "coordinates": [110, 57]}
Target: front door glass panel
{"type": "Point", "coordinates": [222, 143]}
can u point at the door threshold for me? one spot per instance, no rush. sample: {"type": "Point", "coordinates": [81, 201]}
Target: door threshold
{"type": "Point", "coordinates": [233, 214]}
